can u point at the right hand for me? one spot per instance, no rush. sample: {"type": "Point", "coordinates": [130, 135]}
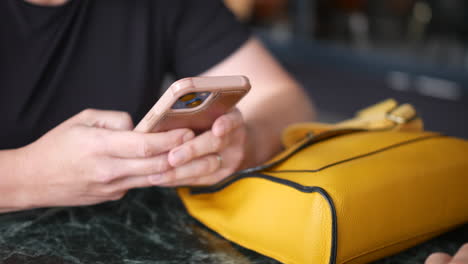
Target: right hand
{"type": "Point", "coordinates": [93, 157]}
{"type": "Point", "coordinates": [461, 257]}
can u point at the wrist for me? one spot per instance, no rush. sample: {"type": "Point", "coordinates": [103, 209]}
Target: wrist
{"type": "Point", "coordinates": [13, 188]}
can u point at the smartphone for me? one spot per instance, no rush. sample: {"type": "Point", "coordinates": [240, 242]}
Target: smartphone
{"type": "Point", "coordinates": [194, 103]}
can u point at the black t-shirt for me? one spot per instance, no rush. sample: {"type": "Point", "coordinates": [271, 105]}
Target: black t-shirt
{"type": "Point", "coordinates": [104, 54]}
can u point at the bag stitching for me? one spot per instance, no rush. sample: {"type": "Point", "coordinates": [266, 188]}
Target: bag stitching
{"type": "Point", "coordinates": [305, 189]}
{"type": "Point", "coordinates": [363, 155]}
{"type": "Point", "coordinates": [239, 176]}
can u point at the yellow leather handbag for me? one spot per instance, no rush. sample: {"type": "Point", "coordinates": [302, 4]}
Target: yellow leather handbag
{"type": "Point", "coordinates": [352, 192]}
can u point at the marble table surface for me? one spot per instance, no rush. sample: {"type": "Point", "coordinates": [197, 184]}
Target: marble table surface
{"type": "Point", "coordinates": [147, 226]}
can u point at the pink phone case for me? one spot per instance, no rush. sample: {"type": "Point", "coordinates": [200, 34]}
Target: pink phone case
{"type": "Point", "coordinates": [225, 91]}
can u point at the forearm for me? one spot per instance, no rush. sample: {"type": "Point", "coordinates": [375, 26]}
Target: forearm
{"type": "Point", "coordinates": [267, 118]}
{"type": "Point", "coordinates": [275, 100]}
{"type": "Point", "coordinates": [12, 194]}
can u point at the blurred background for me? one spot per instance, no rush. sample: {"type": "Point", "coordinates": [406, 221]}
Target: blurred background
{"type": "Point", "coordinates": [352, 53]}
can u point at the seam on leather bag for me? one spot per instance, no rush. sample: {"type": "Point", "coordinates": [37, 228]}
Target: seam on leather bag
{"type": "Point", "coordinates": [240, 175]}
{"type": "Point", "coordinates": [309, 189]}
{"type": "Point", "coordinates": [306, 189]}
{"type": "Point", "coordinates": [363, 155]}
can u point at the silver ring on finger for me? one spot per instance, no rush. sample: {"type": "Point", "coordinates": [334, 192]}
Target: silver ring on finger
{"type": "Point", "coordinates": [220, 160]}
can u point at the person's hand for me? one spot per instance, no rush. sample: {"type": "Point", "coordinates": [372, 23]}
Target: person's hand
{"type": "Point", "coordinates": [91, 158]}
{"type": "Point", "coordinates": [461, 257]}
{"type": "Point", "coordinates": [209, 157]}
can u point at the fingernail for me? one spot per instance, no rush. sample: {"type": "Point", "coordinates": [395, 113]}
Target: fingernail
{"type": "Point", "coordinates": [178, 157]}
{"type": "Point", "coordinates": [156, 178]}
{"type": "Point", "coordinates": [188, 136]}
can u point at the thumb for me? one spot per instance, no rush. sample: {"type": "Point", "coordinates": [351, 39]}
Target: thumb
{"type": "Point", "coordinates": [114, 120]}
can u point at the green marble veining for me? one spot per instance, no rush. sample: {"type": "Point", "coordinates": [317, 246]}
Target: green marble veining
{"type": "Point", "coordinates": [147, 226]}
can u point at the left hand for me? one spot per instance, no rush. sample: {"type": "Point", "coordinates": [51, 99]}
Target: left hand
{"type": "Point", "coordinates": [209, 157]}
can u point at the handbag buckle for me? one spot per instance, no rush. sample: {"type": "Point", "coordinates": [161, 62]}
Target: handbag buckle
{"type": "Point", "coordinates": [402, 114]}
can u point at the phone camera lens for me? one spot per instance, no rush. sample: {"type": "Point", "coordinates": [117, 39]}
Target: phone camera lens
{"type": "Point", "coordinates": [191, 100]}
{"type": "Point", "coordinates": [194, 103]}
{"type": "Point", "coordinates": [188, 97]}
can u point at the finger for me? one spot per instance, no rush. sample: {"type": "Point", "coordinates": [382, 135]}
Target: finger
{"type": "Point", "coordinates": [202, 145]}
{"type": "Point", "coordinates": [461, 256]}
{"type": "Point", "coordinates": [134, 167]}
{"type": "Point", "coordinates": [129, 144]}
{"type": "Point", "coordinates": [118, 196]}
{"type": "Point", "coordinates": [228, 122]}
{"type": "Point", "coordinates": [114, 120]}
{"type": "Point", "coordinates": [200, 181]}
{"type": "Point", "coordinates": [438, 258]}
{"type": "Point", "coordinates": [194, 169]}
{"type": "Point", "coordinates": [128, 183]}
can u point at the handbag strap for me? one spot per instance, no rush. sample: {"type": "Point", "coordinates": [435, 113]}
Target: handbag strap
{"type": "Point", "coordinates": [387, 115]}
